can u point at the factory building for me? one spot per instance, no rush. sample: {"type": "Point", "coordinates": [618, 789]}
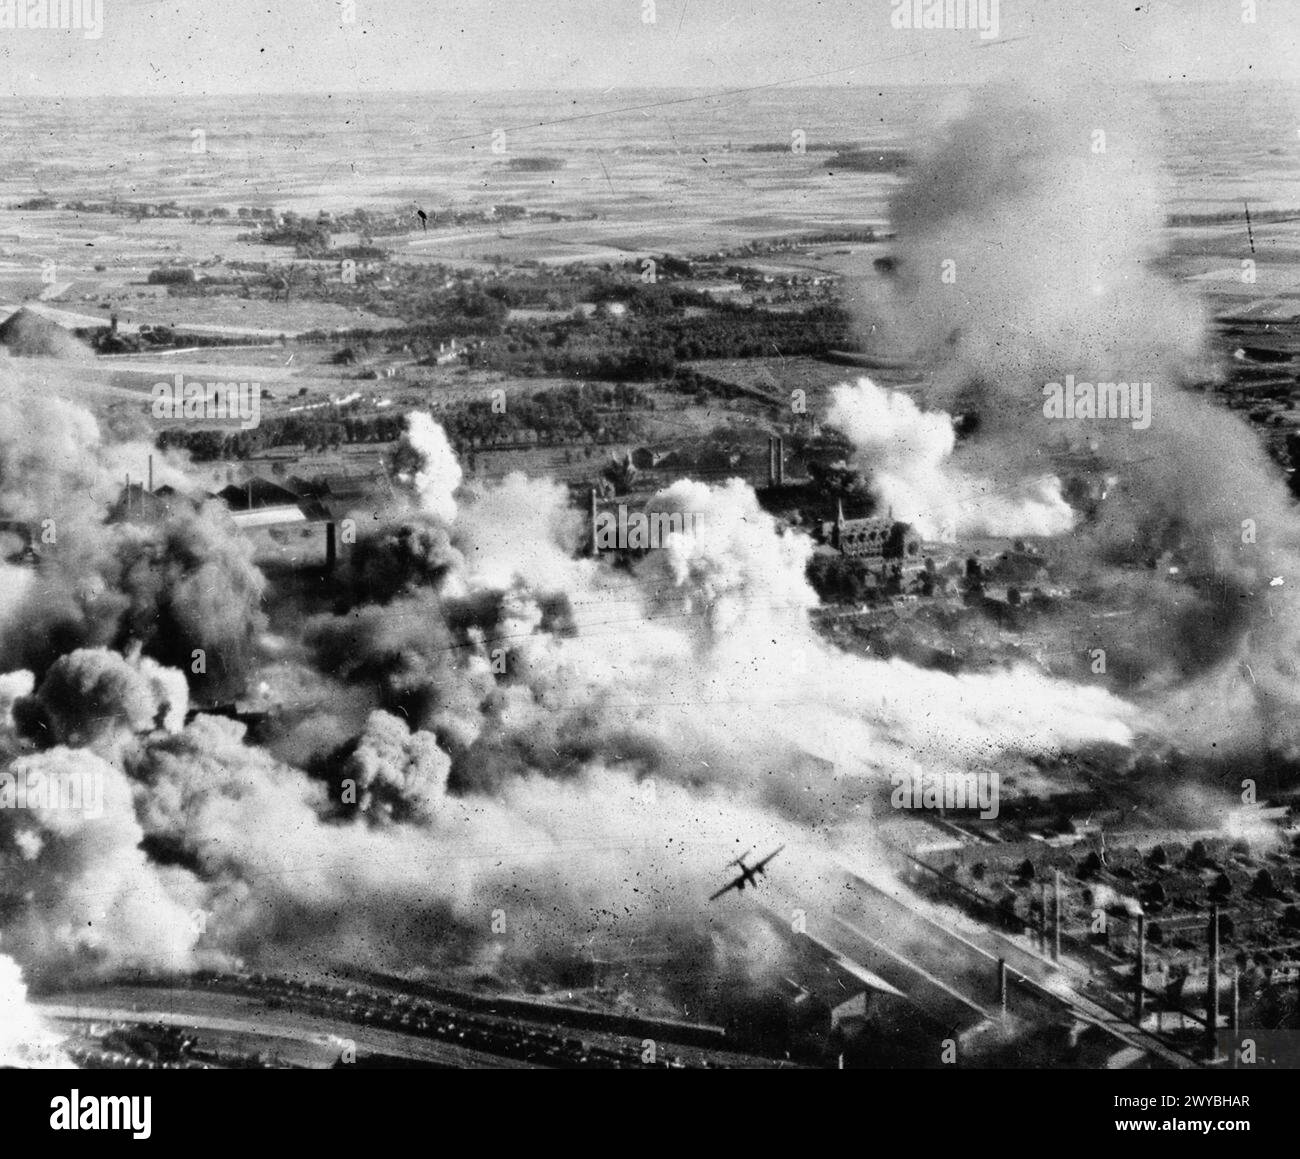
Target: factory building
{"type": "Point", "coordinates": [259, 504]}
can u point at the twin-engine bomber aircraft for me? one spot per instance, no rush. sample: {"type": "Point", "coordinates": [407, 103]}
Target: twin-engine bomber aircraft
{"type": "Point", "coordinates": [748, 873]}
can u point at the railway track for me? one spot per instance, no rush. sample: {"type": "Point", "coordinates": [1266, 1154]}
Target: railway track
{"type": "Point", "coordinates": [950, 967]}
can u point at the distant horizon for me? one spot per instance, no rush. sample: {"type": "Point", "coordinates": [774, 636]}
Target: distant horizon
{"type": "Point", "coordinates": [712, 90]}
{"type": "Point", "coordinates": [179, 47]}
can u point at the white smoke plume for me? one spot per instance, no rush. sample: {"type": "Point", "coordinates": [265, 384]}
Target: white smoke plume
{"type": "Point", "coordinates": [1043, 205]}
{"type": "Point", "coordinates": [907, 455]}
{"type": "Point", "coordinates": [580, 746]}
{"type": "Point", "coordinates": [26, 1040]}
{"type": "Point", "coordinates": [425, 459]}
{"type": "Point", "coordinates": [82, 892]}
{"type": "Point", "coordinates": [168, 586]}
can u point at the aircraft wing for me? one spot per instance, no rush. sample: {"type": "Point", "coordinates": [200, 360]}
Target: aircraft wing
{"type": "Point", "coordinates": [768, 858]}
{"type": "Point", "coordinates": [730, 885]}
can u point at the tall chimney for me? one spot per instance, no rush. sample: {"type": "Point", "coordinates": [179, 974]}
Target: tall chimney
{"type": "Point", "coordinates": [780, 461]}
{"type": "Point", "coordinates": [1002, 986]}
{"type": "Point", "coordinates": [771, 461]}
{"type": "Point", "coordinates": [595, 550]}
{"type": "Point", "coordinates": [150, 474]}
{"type": "Point", "coordinates": [1212, 990]}
{"type": "Point", "coordinates": [1056, 919]}
{"type": "Point", "coordinates": [1235, 1015]}
{"type": "Point", "coordinates": [1042, 917]}
{"type": "Point", "coordinates": [1139, 969]}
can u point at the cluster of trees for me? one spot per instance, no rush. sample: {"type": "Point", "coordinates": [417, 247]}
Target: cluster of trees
{"type": "Point", "coordinates": [171, 276]}
{"type": "Point", "coordinates": [688, 380]}
{"type": "Point", "coordinates": [308, 238]}
{"type": "Point", "coordinates": [464, 311]}
{"type": "Point", "coordinates": [415, 292]}
{"type": "Point", "coordinates": [659, 323]}
{"type": "Point", "coordinates": [575, 351]}
{"type": "Point", "coordinates": [647, 348]}
{"type": "Point", "coordinates": [107, 340]}
{"type": "Point", "coordinates": [436, 303]}
{"type": "Point", "coordinates": [840, 579]}
{"type": "Point", "coordinates": [319, 431]}
{"type": "Point", "coordinates": [378, 223]}
{"type": "Point", "coordinates": [741, 332]}
{"type": "Point", "coordinates": [572, 414]}
{"type": "Point", "coordinates": [595, 412]}
{"type": "Point", "coordinates": [141, 209]}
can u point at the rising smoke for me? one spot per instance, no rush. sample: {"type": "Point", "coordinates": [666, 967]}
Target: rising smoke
{"type": "Point", "coordinates": [907, 454]}
{"type": "Point", "coordinates": [1028, 251]}
{"type": "Point", "coordinates": [577, 747]}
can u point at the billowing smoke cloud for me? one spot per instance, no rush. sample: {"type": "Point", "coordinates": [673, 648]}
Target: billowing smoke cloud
{"type": "Point", "coordinates": [93, 692]}
{"type": "Point", "coordinates": [577, 746]}
{"type": "Point", "coordinates": [393, 773]}
{"type": "Point", "coordinates": [183, 582]}
{"type": "Point", "coordinates": [907, 454]}
{"type": "Point", "coordinates": [1042, 208]}
{"type": "Point", "coordinates": [28, 334]}
{"type": "Point", "coordinates": [80, 891]}
{"type": "Point", "coordinates": [44, 445]}
{"type": "Point", "coordinates": [1026, 246]}
{"type": "Point", "coordinates": [26, 1040]}
{"type": "Point", "coordinates": [425, 459]}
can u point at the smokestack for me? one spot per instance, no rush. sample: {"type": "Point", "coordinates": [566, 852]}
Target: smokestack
{"type": "Point", "coordinates": [1139, 969]}
{"type": "Point", "coordinates": [1043, 889]}
{"type": "Point", "coordinates": [331, 548]}
{"type": "Point", "coordinates": [127, 494]}
{"type": "Point", "coordinates": [780, 461]}
{"type": "Point", "coordinates": [1235, 1015]}
{"type": "Point", "coordinates": [771, 461]}
{"type": "Point", "coordinates": [150, 474]}
{"type": "Point", "coordinates": [1002, 987]}
{"type": "Point", "coordinates": [1040, 927]}
{"type": "Point", "coordinates": [1212, 990]}
{"type": "Point", "coordinates": [1164, 990]}
{"type": "Point", "coordinates": [595, 551]}
{"type": "Point", "coordinates": [1056, 919]}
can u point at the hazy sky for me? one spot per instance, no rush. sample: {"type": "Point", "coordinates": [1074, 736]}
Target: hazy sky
{"type": "Point", "coordinates": [234, 46]}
